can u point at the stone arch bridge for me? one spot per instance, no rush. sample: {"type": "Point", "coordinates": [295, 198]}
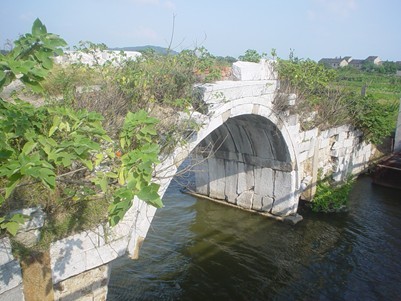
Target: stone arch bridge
{"type": "Point", "coordinates": [260, 160]}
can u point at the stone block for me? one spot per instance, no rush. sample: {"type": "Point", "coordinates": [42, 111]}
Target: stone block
{"type": "Point", "coordinates": [14, 294]}
{"type": "Point", "coordinates": [324, 143]}
{"type": "Point", "coordinates": [231, 178]}
{"type": "Point", "coordinates": [10, 276]}
{"type": "Point", "coordinates": [311, 150]}
{"type": "Point", "coordinates": [5, 251]}
{"type": "Point", "coordinates": [69, 256]}
{"type": "Point", "coordinates": [348, 143]}
{"type": "Point", "coordinates": [304, 146]}
{"type": "Point", "coordinates": [264, 181]}
{"type": "Point", "coordinates": [90, 285]}
{"type": "Point", "coordinates": [248, 71]}
{"type": "Point", "coordinates": [245, 178]}
{"type": "Point", "coordinates": [239, 110]}
{"type": "Point", "coordinates": [29, 232]}
{"type": "Point", "coordinates": [10, 271]}
{"type": "Point", "coordinates": [332, 132]}
{"type": "Point", "coordinates": [284, 198]}
{"type": "Point", "coordinates": [257, 202]}
{"type": "Point", "coordinates": [336, 145]}
{"type": "Point", "coordinates": [293, 219]}
{"type": "Point", "coordinates": [267, 203]}
{"type": "Point", "coordinates": [342, 136]}
{"type": "Point", "coordinates": [324, 134]}
{"type": "Point", "coordinates": [313, 133]}
{"type": "Point", "coordinates": [303, 157]}
{"type": "Point", "coordinates": [245, 199]}
{"type": "Point", "coordinates": [201, 172]}
{"type": "Point", "coordinates": [217, 178]}
{"type": "Point", "coordinates": [293, 120]}
{"type": "Point", "coordinates": [339, 152]}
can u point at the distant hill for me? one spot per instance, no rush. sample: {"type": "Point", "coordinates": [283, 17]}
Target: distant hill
{"type": "Point", "coordinates": [157, 49]}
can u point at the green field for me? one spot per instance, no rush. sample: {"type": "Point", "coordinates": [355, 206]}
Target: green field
{"type": "Point", "coordinates": [382, 87]}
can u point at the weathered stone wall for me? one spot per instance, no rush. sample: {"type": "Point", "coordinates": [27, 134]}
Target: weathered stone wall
{"type": "Point", "coordinates": [11, 287]}
{"type": "Point", "coordinates": [337, 152]}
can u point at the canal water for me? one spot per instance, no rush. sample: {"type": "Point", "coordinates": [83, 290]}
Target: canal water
{"type": "Point", "coordinates": [201, 250]}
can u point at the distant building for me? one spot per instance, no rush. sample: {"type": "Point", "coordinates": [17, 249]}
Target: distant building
{"type": "Point", "coordinates": [348, 58]}
{"type": "Point", "coordinates": [374, 59]}
{"type": "Point", "coordinates": [356, 63]}
{"type": "Point", "coordinates": [334, 63]}
{"type": "Point", "coordinates": [349, 61]}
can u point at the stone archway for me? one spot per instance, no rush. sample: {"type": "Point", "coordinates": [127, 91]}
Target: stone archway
{"type": "Point", "coordinates": [250, 166]}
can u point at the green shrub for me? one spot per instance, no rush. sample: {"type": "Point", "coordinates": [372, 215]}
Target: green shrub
{"type": "Point", "coordinates": [251, 55]}
{"type": "Point", "coordinates": [64, 151]}
{"type": "Point", "coordinates": [330, 198]}
{"type": "Point", "coordinates": [376, 120]}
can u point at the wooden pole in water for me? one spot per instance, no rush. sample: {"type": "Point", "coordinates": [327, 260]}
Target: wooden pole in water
{"type": "Point", "coordinates": [397, 142]}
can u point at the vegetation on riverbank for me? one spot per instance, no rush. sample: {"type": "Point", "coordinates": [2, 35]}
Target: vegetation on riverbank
{"type": "Point", "coordinates": [331, 197]}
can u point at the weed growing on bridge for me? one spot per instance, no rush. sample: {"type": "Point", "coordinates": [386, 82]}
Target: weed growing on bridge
{"type": "Point", "coordinates": [325, 100]}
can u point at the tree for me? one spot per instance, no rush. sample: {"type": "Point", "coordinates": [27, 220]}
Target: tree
{"type": "Point", "coordinates": [57, 147]}
{"type": "Point", "coordinates": [251, 55]}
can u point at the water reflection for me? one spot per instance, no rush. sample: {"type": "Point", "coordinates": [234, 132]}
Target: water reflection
{"type": "Point", "coordinates": [200, 250]}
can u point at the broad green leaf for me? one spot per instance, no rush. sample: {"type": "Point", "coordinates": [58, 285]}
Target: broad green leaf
{"type": "Point", "coordinates": [66, 159]}
{"type": "Point", "coordinates": [121, 177]}
{"type": "Point", "coordinates": [34, 85]}
{"type": "Point", "coordinates": [48, 177]}
{"type": "Point", "coordinates": [18, 218]}
{"type": "Point", "coordinates": [103, 184]}
{"type": "Point", "coordinates": [123, 143]}
{"type": "Point", "coordinates": [5, 154]}
{"type": "Point", "coordinates": [13, 181]}
{"type": "Point", "coordinates": [53, 41]}
{"type": "Point", "coordinates": [12, 227]}
{"type": "Point", "coordinates": [52, 130]}
{"type": "Point", "coordinates": [87, 163]}
{"type": "Point", "coordinates": [28, 147]}
{"type": "Point", "coordinates": [98, 159]}
{"type": "Point", "coordinates": [150, 195]}
{"type": "Point", "coordinates": [38, 28]}
{"type": "Point", "coordinates": [111, 175]}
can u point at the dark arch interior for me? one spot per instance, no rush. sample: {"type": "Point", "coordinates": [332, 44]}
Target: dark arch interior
{"type": "Point", "coordinates": [251, 139]}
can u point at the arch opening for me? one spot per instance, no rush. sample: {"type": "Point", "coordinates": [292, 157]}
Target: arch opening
{"type": "Point", "coordinates": [247, 163]}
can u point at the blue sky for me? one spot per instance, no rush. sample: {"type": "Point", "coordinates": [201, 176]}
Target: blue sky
{"type": "Point", "coordinates": [312, 28]}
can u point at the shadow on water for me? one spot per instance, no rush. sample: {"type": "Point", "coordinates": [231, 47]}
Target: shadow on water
{"type": "Point", "coordinates": [200, 250]}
